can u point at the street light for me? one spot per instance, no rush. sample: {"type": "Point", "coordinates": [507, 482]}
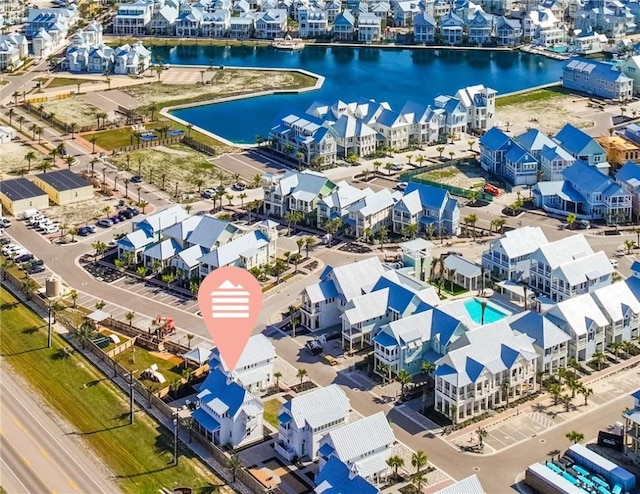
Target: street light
{"type": "Point", "coordinates": [131, 397]}
{"type": "Point", "coordinates": [49, 311]}
{"type": "Point", "coordinates": [175, 438]}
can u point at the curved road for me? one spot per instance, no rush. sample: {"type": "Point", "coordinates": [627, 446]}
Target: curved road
{"type": "Point", "coordinates": [38, 456]}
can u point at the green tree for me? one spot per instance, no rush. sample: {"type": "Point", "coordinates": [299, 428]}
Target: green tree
{"type": "Point", "coordinates": [302, 373]}
{"type": "Point", "coordinates": [277, 375]}
{"type": "Point", "coordinates": [585, 392]}
{"type": "Point", "coordinates": [419, 460]}
{"type": "Point", "coordinates": [300, 243]}
{"type": "Point", "coordinates": [575, 437]}
{"type": "Point", "coordinates": [471, 220]}
{"type": "Point", "coordinates": [28, 286]}
{"type": "Point", "coordinates": [630, 245]}
{"type": "Point", "coordinates": [278, 268]}
{"type": "Point", "coordinates": [418, 479]}
{"type": "Point", "coordinates": [555, 390]}
{"type": "Point", "coordinates": [404, 378]}
{"type": "Point", "coordinates": [571, 220]}
{"type": "Point", "coordinates": [73, 295]}
{"type": "Point", "coordinates": [440, 150]}
{"type": "Point", "coordinates": [332, 227]}
{"type": "Point", "coordinates": [292, 218]}
{"type": "Point", "coordinates": [100, 305]}
{"type": "Point", "coordinates": [130, 316]}
{"type": "Point", "coordinates": [30, 156]}
{"type": "Point", "coordinates": [309, 243]}
{"type": "Point", "coordinates": [599, 359]}
{"type": "Point", "coordinates": [83, 334]}
{"type": "Point", "coordinates": [395, 462]}
{"type": "Point", "coordinates": [233, 465]}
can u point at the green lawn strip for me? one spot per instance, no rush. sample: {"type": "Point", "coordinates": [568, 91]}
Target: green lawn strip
{"type": "Point", "coordinates": [271, 409]}
{"type": "Point", "coordinates": [532, 96]}
{"type": "Point", "coordinates": [69, 81]}
{"type": "Point", "coordinates": [120, 40]}
{"type": "Point", "coordinates": [140, 454]}
{"type": "Point", "coordinates": [138, 359]}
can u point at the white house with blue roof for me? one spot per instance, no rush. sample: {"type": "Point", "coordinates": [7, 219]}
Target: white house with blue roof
{"type": "Point", "coordinates": [227, 414]}
{"type": "Point", "coordinates": [549, 340]}
{"type": "Point", "coordinates": [371, 213]}
{"type": "Point", "coordinates": [582, 147]}
{"type": "Point", "coordinates": [632, 428]}
{"type": "Point", "coordinates": [596, 78]}
{"type": "Point", "coordinates": [424, 28]}
{"type": "Point", "coordinates": [455, 116]}
{"type": "Point", "coordinates": [155, 224]}
{"type": "Point", "coordinates": [427, 207]}
{"type": "Point", "coordinates": [494, 144]}
{"type": "Point", "coordinates": [364, 446]}
{"type": "Point", "coordinates": [587, 193]}
{"type": "Point", "coordinates": [306, 418]}
{"type": "Point", "coordinates": [423, 336]}
{"type": "Point", "coordinates": [470, 377]}
{"type": "Point", "coordinates": [509, 257]}
{"type": "Point", "coordinates": [628, 177]}
{"type": "Point", "coordinates": [337, 478]}
{"type": "Point", "coordinates": [451, 29]}
{"type": "Point", "coordinates": [337, 204]}
{"type": "Point", "coordinates": [344, 26]}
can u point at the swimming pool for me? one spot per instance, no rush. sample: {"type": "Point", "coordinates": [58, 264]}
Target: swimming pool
{"type": "Point", "coordinates": [491, 314]}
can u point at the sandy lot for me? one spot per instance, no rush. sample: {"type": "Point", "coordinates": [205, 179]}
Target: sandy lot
{"type": "Point", "coordinates": [12, 159]}
{"type": "Point", "coordinates": [83, 212]}
{"type": "Point", "coordinates": [224, 83]}
{"type": "Point", "coordinates": [549, 116]}
{"type": "Point", "coordinates": [463, 176]}
{"type": "Point", "coordinates": [73, 110]}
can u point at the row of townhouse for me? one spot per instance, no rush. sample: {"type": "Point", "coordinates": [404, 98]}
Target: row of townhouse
{"type": "Point", "coordinates": [324, 132]}
{"type": "Point", "coordinates": [579, 311]}
{"type": "Point", "coordinates": [362, 211]}
{"type": "Point", "coordinates": [600, 79]}
{"type": "Point", "coordinates": [193, 246]}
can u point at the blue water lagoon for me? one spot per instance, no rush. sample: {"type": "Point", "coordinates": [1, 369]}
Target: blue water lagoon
{"type": "Point", "coordinates": [393, 75]}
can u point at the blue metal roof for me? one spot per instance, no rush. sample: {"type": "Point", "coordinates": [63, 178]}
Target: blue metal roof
{"type": "Point", "coordinates": [495, 139]}
{"type": "Point", "coordinates": [430, 197]}
{"type": "Point", "coordinates": [444, 370]}
{"type": "Point", "coordinates": [473, 369]}
{"type": "Point", "coordinates": [443, 324]}
{"type": "Point", "coordinates": [586, 177]}
{"type": "Point", "coordinates": [205, 420]}
{"type": "Point", "coordinates": [284, 418]}
{"type": "Point", "coordinates": [635, 266]}
{"type": "Point", "coordinates": [630, 171]}
{"type": "Point", "coordinates": [335, 478]}
{"type": "Point", "coordinates": [575, 140]}
{"type": "Point", "coordinates": [518, 154]}
{"type": "Point", "coordinates": [385, 340]}
{"type": "Point", "coordinates": [508, 355]}
{"type": "Point", "coordinates": [636, 395]}
{"type": "Point", "coordinates": [230, 393]}
{"type": "Point", "coordinates": [399, 296]}
{"type": "Point", "coordinates": [326, 449]}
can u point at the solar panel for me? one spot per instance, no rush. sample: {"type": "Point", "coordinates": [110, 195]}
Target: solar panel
{"type": "Point", "coordinates": [62, 180]}
{"type": "Point", "coordinates": [20, 188]}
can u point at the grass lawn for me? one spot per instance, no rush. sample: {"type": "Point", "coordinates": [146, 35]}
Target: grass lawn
{"type": "Point", "coordinates": [457, 289]}
{"type": "Point", "coordinates": [271, 409]}
{"type": "Point", "coordinates": [111, 139]}
{"type": "Point", "coordinates": [437, 175]}
{"type": "Point", "coordinates": [138, 359]}
{"type": "Point", "coordinates": [139, 455]}
{"type": "Point", "coordinates": [69, 81]}
{"type": "Point", "coordinates": [536, 95]}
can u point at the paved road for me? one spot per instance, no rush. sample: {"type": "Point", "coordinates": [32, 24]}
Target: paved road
{"type": "Point", "coordinates": [38, 455]}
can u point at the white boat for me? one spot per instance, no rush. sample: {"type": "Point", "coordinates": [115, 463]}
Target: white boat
{"type": "Point", "coordinates": [288, 43]}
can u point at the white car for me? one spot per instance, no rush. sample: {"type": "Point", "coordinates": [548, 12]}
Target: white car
{"type": "Point", "coordinates": [614, 263]}
{"type": "Point", "coordinates": [8, 249]}
{"type": "Point", "coordinates": [5, 222]}
{"type": "Point", "coordinates": [54, 228]}
{"type": "Point", "coordinates": [34, 220]}
{"type": "Point", "coordinates": [18, 253]}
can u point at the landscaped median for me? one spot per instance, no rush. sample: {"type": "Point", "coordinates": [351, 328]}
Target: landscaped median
{"type": "Point", "coordinates": [139, 455]}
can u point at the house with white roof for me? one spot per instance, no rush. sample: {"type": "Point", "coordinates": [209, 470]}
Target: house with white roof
{"type": "Point", "coordinates": [369, 27]}
{"type": "Point", "coordinates": [253, 249]}
{"type": "Point", "coordinates": [480, 102]}
{"type": "Point", "coordinates": [424, 336]}
{"type": "Point", "coordinates": [621, 308]}
{"type": "Point", "coordinates": [632, 428]}
{"type": "Point", "coordinates": [483, 369]}
{"type": "Point", "coordinates": [216, 24]}
{"type": "Point", "coordinates": [189, 20]}
{"type": "Point", "coordinates": [13, 49]}
{"type": "Point", "coordinates": [430, 208]}
{"type": "Point", "coordinates": [337, 478]}
{"type": "Point", "coordinates": [451, 29]}
{"type": "Point", "coordinates": [323, 303]}
{"type": "Point", "coordinates": [543, 27]}
{"type": "Point", "coordinates": [271, 24]}
{"type": "Point", "coordinates": [509, 257]}
{"type": "Point", "coordinates": [481, 28]}
{"type": "Point", "coordinates": [226, 413]}
{"type": "Point", "coordinates": [371, 213]}
{"type": "Point", "coordinates": [508, 31]}
{"type": "Point", "coordinates": [133, 18]}
{"type": "Point", "coordinates": [131, 59]}
{"type": "Point", "coordinates": [424, 28]}
{"type": "Point", "coordinates": [295, 191]}
{"type": "Point", "coordinates": [163, 20]}
{"type": "Point", "coordinates": [306, 418]}
{"type": "Point", "coordinates": [550, 342]}
{"type": "Point", "coordinates": [582, 319]}
{"type": "Point", "coordinates": [187, 263]}
{"type": "Point", "coordinates": [337, 204]}
{"type": "Point", "coordinates": [155, 224]}
{"type": "Point", "coordinates": [354, 136]}
{"type": "Point", "coordinates": [254, 370]}
{"type": "Point", "coordinates": [313, 22]}
{"type": "Point", "coordinates": [135, 243]}
{"type": "Point", "coordinates": [455, 121]}
{"type": "Point", "coordinates": [242, 27]}
{"type": "Point", "coordinates": [42, 44]}
{"type": "Point", "coordinates": [463, 272]}
{"type": "Point", "coordinates": [469, 485]}
{"type": "Point", "coordinates": [568, 267]}
{"type": "Point", "coordinates": [426, 122]}
{"type": "Point", "coordinates": [364, 446]}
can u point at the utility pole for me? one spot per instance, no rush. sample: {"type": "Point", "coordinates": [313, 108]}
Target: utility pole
{"type": "Point", "coordinates": [175, 438]}
{"type": "Point", "coordinates": [50, 326]}
{"type": "Point", "coordinates": [130, 397]}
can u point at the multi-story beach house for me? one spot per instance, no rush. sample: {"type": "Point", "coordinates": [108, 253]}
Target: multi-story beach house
{"type": "Point", "coordinates": [621, 308]}
{"type": "Point", "coordinates": [133, 18]}
{"type": "Point", "coordinates": [628, 177]}
{"type": "Point", "coordinates": [600, 79]}
{"type": "Point", "coordinates": [371, 213]}
{"type": "Point", "coordinates": [14, 49]}
{"type": "Point", "coordinates": [344, 26]}
{"type": "Point", "coordinates": [427, 207]}
{"type": "Point", "coordinates": [271, 24]}
{"type": "Point", "coordinates": [313, 22]}
{"type": "Point", "coordinates": [509, 257]}
{"type": "Point", "coordinates": [369, 27]}
{"type": "Point", "coordinates": [480, 102]}
{"type": "Point", "coordinates": [508, 31]}
{"type": "Point", "coordinates": [306, 418]}
{"type": "Point", "coordinates": [339, 202]}
{"type": "Point", "coordinates": [424, 28]}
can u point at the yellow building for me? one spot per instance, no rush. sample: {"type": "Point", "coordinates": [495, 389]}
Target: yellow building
{"type": "Point", "coordinates": [619, 150]}
{"type": "Point", "coordinates": [64, 187]}
{"type": "Point", "coordinates": [20, 194]}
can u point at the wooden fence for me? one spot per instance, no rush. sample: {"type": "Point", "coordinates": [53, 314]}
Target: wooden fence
{"type": "Point", "coordinates": [149, 144]}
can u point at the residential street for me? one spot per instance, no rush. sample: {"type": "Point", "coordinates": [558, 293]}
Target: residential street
{"type": "Point", "coordinates": [38, 453]}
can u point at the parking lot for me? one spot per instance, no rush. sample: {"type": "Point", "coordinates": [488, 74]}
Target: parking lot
{"type": "Point", "coordinates": [249, 164]}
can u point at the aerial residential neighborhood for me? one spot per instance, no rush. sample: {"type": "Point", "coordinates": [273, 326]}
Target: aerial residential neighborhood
{"type": "Point", "coordinates": [437, 204]}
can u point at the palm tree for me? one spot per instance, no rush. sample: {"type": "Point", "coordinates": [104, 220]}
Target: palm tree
{"type": "Point", "coordinates": [410, 231]}
{"type": "Point", "coordinates": [28, 286]}
{"type": "Point", "coordinates": [388, 167]}
{"type": "Point", "coordinates": [309, 243]}
{"type": "Point", "coordinates": [73, 295]}
{"type": "Point", "coordinates": [574, 436]}
{"type": "Point", "coordinates": [294, 320]}
{"type": "Point", "coordinates": [418, 460]}
{"type": "Point", "coordinates": [598, 358]}
{"type": "Point", "coordinates": [482, 433]}
{"type": "Point", "coordinates": [292, 217]}
{"type": "Point", "coordinates": [630, 245]}
{"type": "Point", "coordinates": [471, 143]}
{"type": "Point", "coordinates": [10, 114]}
{"type": "Point", "coordinates": [472, 219]}
{"type": "Point", "coordinates": [504, 391]}
{"type": "Point", "coordinates": [83, 334]}
{"type": "Point", "coordinates": [278, 268]}
{"type": "Point", "coordinates": [45, 166]}
{"type": "Point", "coordinates": [72, 128]}
{"type": "Point", "coordinates": [555, 390]}
{"type": "Point", "coordinates": [404, 378]}
{"type": "Point", "coordinates": [571, 220]}
{"type": "Point", "coordinates": [483, 308]}
{"type": "Point", "coordinates": [616, 346]}
{"type": "Point", "coordinates": [452, 154]}
{"type": "Point", "coordinates": [332, 227]}
{"type": "Point", "coordinates": [376, 166]}
{"type": "Point", "coordinates": [427, 367]}
{"type": "Point", "coordinates": [21, 120]}
{"type": "Point", "coordinates": [30, 156]}
{"type": "Point", "coordinates": [233, 465]}
{"type": "Point", "coordinates": [418, 479]}
{"type": "Point", "coordinates": [277, 375]}
{"type": "Point", "coordinates": [395, 462]}
{"type": "Point", "coordinates": [99, 247]}
{"type": "Point", "coordinates": [300, 244]}
{"type": "Point", "coordinates": [130, 316]}
{"type": "Point", "coordinates": [302, 373]}
{"type": "Point", "coordinates": [440, 150]}
{"type": "Point", "coordinates": [39, 131]}
{"type": "Point", "coordinates": [383, 235]}
{"type": "Point", "coordinates": [409, 158]}
{"type": "Point", "coordinates": [100, 305]}
{"type": "Point", "coordinates": [242, 197]}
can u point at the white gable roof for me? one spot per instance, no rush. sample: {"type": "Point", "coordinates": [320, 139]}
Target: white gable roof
{"type": "Point", "coordinates": [355, 440]}
{"type": "Point", "coordinates": [522, 241]}
{"type": "Point", "coordinates": [614, 299]}
{"type": "Point", "coordinates": [319, 407]}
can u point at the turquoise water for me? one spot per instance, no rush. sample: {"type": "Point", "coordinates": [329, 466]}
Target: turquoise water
{"type": "Point", "coordinates": [393, 75]}
{"type": "Point", "coordinates": [474, 309]}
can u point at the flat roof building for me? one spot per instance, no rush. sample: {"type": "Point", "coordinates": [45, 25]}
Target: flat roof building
{"type": "Point", "coordinates": [19, 194]}
{"type": "Point", "coordinates": [64, 187]}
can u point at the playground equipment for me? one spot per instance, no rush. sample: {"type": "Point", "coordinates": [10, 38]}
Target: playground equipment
{"type": "Point", "coordinates": [164, 326]}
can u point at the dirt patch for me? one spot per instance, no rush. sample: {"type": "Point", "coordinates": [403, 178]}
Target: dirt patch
{"type": "Point", "coordinates": [548, 116]}
{"type": "Point", "coordinates": [12, 159]}
{"type": "Point", "coordinates": [73, 110]}
{"type": "Point", "coordinates": [223, 83]}
{"type": "Point", "coordinates": [82, 213]}
{"type": "Point", "coordinates": [463, 176]}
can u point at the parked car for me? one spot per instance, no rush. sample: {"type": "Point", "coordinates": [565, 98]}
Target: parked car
{"type": "Point", "coordinates": [401, 185]}
{"type": "Point", "coordinates": [49, 229]}
{"type": "Point", "coordinates": [136, 179]}
{"type": "Point", "coordinates": [5, 222]}
{"type": "Point", "coordinates": [24, 258]}
{"type": "Point", "coordinates": [35, 269]}
{"type": "Point", "coordinates": [221, 189]}
{"type": "Point", "coordinates": [83, 231]}
{"type": "Point", "coordinates": [36, 262]}
{"type": "Point", "coordinates": [239, 186]}
{"type": "Point", "coordinates": [125, 214]}
{"type": "Point", "coordinates": [18, 253]}
{"type": "Point", "coordinates": [133, 211]}
{"type": "Point", "coordinates": [104, 223]}
{"type": "Point", "coordinates": [9, 249]}
{"type": "Point", "coordinates": [5, 241]}
{"type": "Point", "coordinates": [207, 193]}
{"type": "Point", "coordinates": [614, 263]}
{"type": "Point", "coordinates": [114, 219]}
{"type": "Point", "coordinates": [34, 220]}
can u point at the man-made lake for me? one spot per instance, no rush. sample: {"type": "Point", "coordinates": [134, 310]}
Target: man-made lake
{"type": "Point", "coordinates": [393, 75]}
